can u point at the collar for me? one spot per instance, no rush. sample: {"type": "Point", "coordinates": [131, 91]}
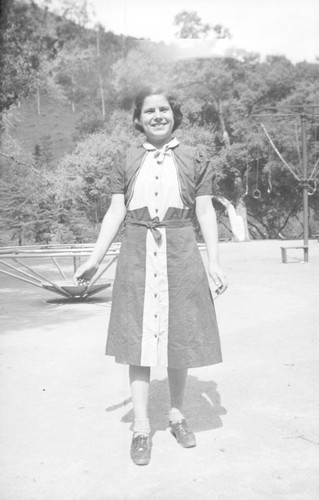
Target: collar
{"type": "Point", "coordinates": [160, 153]}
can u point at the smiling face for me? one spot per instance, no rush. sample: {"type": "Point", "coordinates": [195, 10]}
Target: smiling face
{"type": "Point", "coordinates": [157, 119]}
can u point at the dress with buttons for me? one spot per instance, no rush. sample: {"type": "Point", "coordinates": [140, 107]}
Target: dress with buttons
{"type": "Point", "coordinates": [162, 309]}
{"type": "Point", "coordinates": [156, 188]}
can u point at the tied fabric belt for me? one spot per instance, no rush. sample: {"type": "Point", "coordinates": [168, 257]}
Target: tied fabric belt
{"type": "Point", "coordinates": [153, 224]}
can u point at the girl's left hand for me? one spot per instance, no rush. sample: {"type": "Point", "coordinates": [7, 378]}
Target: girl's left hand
{"type": "Point", "coordinates": [218, 278]}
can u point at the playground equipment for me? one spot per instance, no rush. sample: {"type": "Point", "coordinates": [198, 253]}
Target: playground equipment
{"type": "Point", "coordinates": [253, 185]}
{"type": "Point", "coordinates": [307, 181]}
{"type": "Point", "coordinates": [14, 258]}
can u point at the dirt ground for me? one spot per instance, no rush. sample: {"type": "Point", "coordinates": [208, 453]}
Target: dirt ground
{"type": "Point", "coordinates": [66, 412]}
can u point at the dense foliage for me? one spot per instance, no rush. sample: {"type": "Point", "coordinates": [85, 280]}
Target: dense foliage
{"type": "Point", "coordinates": [96, 74]}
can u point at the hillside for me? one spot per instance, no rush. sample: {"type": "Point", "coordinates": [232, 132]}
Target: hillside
{"type": "Point", "coordinates": [50, 53]}
{"type": "Point", "coordinates": [53, 128]}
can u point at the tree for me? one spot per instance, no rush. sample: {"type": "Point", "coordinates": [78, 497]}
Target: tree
{"type": "Point", "coordinates": [26, 204]}
{"type": "Point", "coordinates": [42, 153]}
{"type": "Point", "coordinates": [98, 74]}
{"type": "Point", "coordinates": [190, 25]}
{"type": "Point", "coordinates": [28, 43]}
{"type": "Point", "coordinates": [83, 177]}
{"type": "Point", "coordinates": [224, 94]}
{"type": "Point", "coordinates": [80, 12]}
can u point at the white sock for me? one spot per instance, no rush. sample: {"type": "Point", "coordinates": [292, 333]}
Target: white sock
{"type": "Point", "coordinates": [141, 427]}
{"type": "Point", "coordinates": [175, 415]}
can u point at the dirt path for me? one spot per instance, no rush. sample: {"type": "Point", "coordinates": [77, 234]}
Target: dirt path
{"type": "Point", "coordinates": [66, 412]}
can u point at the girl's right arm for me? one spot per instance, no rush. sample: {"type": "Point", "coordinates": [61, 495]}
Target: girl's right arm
{"type": "Point", "coordinates": [110, 226]}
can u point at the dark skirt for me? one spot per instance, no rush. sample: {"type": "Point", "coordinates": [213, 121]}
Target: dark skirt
{"type": "Point", "coordinates": [192, 337]}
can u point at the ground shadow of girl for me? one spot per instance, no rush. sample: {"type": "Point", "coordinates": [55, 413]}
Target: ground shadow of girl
{"type": "Point", "coordinates": [202, 405]}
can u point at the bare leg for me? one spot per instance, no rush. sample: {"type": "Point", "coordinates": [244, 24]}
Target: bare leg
{"type": "Point", "coordinates": [139, 382]}
{"type": "Point", "coordinates": [179, 427]}
{"type": "Point", "coordinates": [177, 383]}
{"type": "Point", "coordinates": [141, 444]}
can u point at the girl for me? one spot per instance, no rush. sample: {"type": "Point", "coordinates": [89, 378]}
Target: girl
{"type": "Point", "coordinates": [162, 308]}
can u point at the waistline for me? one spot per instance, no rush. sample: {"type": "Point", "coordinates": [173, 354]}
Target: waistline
{"type": "Point", "coordinates": [155, 223]}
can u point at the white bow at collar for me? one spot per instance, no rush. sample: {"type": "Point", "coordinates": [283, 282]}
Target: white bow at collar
{"type": "Point", "coordinates": [159, 154]}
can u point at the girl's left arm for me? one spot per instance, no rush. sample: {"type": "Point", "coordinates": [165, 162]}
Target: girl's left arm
{"type": "Point", "coordinates": [206, 217]}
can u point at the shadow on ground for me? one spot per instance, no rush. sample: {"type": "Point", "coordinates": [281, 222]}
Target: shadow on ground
{"type": "Point", "coordinates": [202, 405]}
{"type": "Point", "coordinates": [23, 306]}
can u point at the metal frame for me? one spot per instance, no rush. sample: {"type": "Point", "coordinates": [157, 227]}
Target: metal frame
{"type": "Point", "coordinates": [69, 289]}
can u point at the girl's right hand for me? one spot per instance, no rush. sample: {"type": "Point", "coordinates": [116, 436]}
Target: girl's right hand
{"type": "Point", "coordinates": [85, 273]}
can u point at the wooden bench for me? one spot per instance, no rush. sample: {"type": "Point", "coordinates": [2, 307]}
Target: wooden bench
{"type": "Point", "coordinates": [285, 249]}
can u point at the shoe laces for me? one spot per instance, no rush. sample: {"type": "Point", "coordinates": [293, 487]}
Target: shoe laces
{"type": "Point", "coordinates": [181, 428]}
{"type": "Point", "coordinates": [140, 442]}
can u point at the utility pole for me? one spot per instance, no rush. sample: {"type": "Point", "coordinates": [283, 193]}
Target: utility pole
{"type": "Point", "coordinates": [305, 186]}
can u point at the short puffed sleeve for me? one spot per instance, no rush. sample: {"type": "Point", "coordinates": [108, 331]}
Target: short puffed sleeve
{"type": "Point", "coordinates": [117, 175]}
{"type": "Point", "coordinates": [204, 174]}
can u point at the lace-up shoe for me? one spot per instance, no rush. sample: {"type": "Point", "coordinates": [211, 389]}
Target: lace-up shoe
{"type": "Point", "coordinates": [184, 436]}
{"type": "Point", "coordinates": [141, 449]}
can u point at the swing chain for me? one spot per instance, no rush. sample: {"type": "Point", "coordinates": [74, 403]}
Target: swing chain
{"type": "Point", "coordinates": [305, 183]}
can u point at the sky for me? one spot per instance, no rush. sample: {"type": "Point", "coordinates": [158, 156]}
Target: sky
{"type": "Point", "coordinates": [285, 27]}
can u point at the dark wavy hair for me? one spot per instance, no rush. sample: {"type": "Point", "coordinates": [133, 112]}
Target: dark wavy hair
{"type": "Point", "coordinates": [146, 92]}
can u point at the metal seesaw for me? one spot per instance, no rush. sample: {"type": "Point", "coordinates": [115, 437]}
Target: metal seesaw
{"type": "Point", "coordinates": [13, 258]}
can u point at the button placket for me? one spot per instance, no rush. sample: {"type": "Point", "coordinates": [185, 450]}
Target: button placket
{"type": "Point", "coordinates": [156, 323]}
{"type": "Point", "coordinates": [155, 202]}
{"type": "Point", "coordinates": [156, 293]}
{"type": "Point", "coordinates": [156, 186]}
